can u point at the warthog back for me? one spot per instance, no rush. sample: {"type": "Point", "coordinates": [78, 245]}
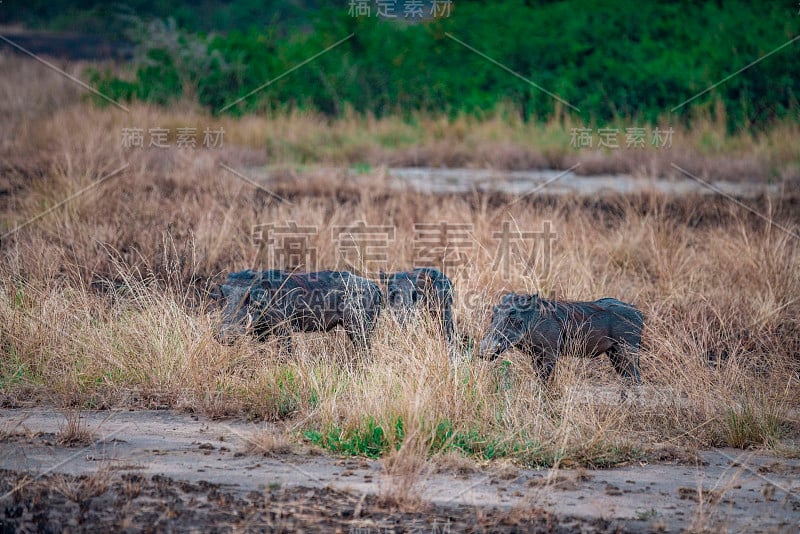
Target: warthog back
{"type": "Point", "coordinates": [277, 302]}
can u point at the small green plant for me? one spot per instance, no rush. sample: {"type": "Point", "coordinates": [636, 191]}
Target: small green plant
{"type": "Point", "coordinates": [362, 167]}
{"type": "Point", "coordinates": [12, 375]}
{"type": "Point", "coordinates": [288, 396]}
{"type": "Point", "coordinates": [13, 369]}
{"type": "Point", "coordinates": [470, 442]}
{"type": "Point", "coordinates": [369, 439]}
{"type": "Point", "coordinates": [372, 440]}
{"type": "Point", "coordinates": [646, 515]}
{"type": "Point", "coordinates": [751, 424]}
{"type": "Point", "coordinates": [504, 375]}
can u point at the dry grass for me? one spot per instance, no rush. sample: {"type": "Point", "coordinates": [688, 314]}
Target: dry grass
{"type": "Point", "coordinates": [404, 471]}
{"type": "Point", "coordinates": [16, 429]}
{"type": "Point", "coordinates": [74, 432]}
{"type": "Point", "coordinates": [103, 300]}
{"type": "Point", "coordinates": [33, 98]}
{"type": "Point", "coordinates": [83, 489]}
{"type": "Point", "coordinates": [267, 443]}
{"type": "Point", "coordinates": [456, 463]}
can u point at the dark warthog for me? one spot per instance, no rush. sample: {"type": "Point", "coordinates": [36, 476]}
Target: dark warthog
{"type": "Point", "coordinates": [277, 302]}
{"type": "Point", "coordinates": [544, 328]}
{"type": "Point", "coordinates": [423, 288]}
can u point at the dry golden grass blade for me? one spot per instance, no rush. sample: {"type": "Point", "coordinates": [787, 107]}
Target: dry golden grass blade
{"type": "Point", "coordinates": [74, 432]}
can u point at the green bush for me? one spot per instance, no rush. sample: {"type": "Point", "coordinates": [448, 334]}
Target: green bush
{"type": "Point", "coordinates": [609, 59]}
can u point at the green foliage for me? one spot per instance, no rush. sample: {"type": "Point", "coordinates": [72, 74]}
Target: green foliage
{"type": "Point", "coordinates": [369, 439]}
{"type": "Point", "coordinates": [110, 19]}
{"type": "Point", "coordinates": [615, 58]}
{"type": "Point", "coordinates": [646, 515]}
{"type": "Point", "coordinates": [288, 394]}
{"type": "Point", "coordinates": [362, 168]}
{"type": "Point", "coordinates": [373, 440]}
{"type": "Point", "coordinates": [281, 398]}
{"type": "Point", "coordinates": [471, 442]}
{"type": "Point", "coordinates": [12, 371]}
{"type": "Point", "coordinates": [755, 422]}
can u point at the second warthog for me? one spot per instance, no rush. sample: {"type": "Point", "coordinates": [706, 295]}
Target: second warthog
{"type": "Point", "coordinates": [276, 302]}
{"type": "Point", "coordinates": [424, 288]}
{"type": "Point", "coordinates": [544, 329]}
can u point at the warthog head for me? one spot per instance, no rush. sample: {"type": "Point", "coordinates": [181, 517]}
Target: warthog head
{"type": "Point", "coordinates": [405, 291]}
{"type": "Point", "coordinates": [511, 319]}
{"type": "Point", "coordinates": [239, 303]}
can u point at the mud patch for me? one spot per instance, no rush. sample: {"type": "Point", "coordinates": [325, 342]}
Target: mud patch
{"type": "Point", "coordinates": [157, 503]}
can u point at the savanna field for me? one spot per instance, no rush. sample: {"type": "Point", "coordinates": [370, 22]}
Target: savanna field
{"type": "Point", "coordinates": [648, 153]}
{"type": "Point", "coordinates": [105, 300]}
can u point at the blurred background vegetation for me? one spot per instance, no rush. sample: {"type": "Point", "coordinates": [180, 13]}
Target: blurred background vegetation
{"type": "Point", "coordinates": [608, 58]}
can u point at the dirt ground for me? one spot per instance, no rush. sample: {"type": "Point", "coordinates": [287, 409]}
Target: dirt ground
{"type": "Point", "coordinates": [163, 470]}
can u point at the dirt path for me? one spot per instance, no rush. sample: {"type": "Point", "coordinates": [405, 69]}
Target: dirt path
{"type": "Point", "coordinates": [545, 181]}
{"type": "Point", "coordinates": [166, 468]}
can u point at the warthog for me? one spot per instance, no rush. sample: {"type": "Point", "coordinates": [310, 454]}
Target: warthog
{"type": "Point", "coordinates": [543, 328]}
{"type": "Point", "coordinates": [276, 302]}
{"type": "Point", "coordinates": [423, 288]}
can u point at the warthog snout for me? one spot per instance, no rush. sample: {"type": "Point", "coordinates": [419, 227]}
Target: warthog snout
{"type": "Point", "coordinates": [421, 290]}
{"type": "Point", "coordinates": [489, 348]}
{"type": "Point", "coordinates": [228, 332]}
{"type": "Point", "coordinates": [401, 311]}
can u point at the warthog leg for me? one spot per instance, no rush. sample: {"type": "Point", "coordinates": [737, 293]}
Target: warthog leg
{"type": "Point", "coordinates": [284, 333]}
{"type": "Point", "coordinates": [626, 363]}
{"type": "Point", "coordinates": [545, 363]}
{"type": "Point", "coordinates": [360, 338]}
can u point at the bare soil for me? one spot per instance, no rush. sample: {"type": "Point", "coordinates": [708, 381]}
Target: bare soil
{"type": "Point", "coordinates": [164, 470]}
{"type": "Point", "coordinates": [551, 182]}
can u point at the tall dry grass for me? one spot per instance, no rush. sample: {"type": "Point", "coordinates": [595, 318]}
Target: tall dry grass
{"type": "Point", "coordinates": [32, 94]}
{"type": "Point", "coordinates": [103, 302]}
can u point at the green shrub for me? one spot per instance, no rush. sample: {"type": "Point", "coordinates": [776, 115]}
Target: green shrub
{"type": "Point", "coordinates": [613, 59]}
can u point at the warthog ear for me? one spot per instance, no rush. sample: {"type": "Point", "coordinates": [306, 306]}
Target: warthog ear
{"type": "Point", "coordinates": [383, 277]}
